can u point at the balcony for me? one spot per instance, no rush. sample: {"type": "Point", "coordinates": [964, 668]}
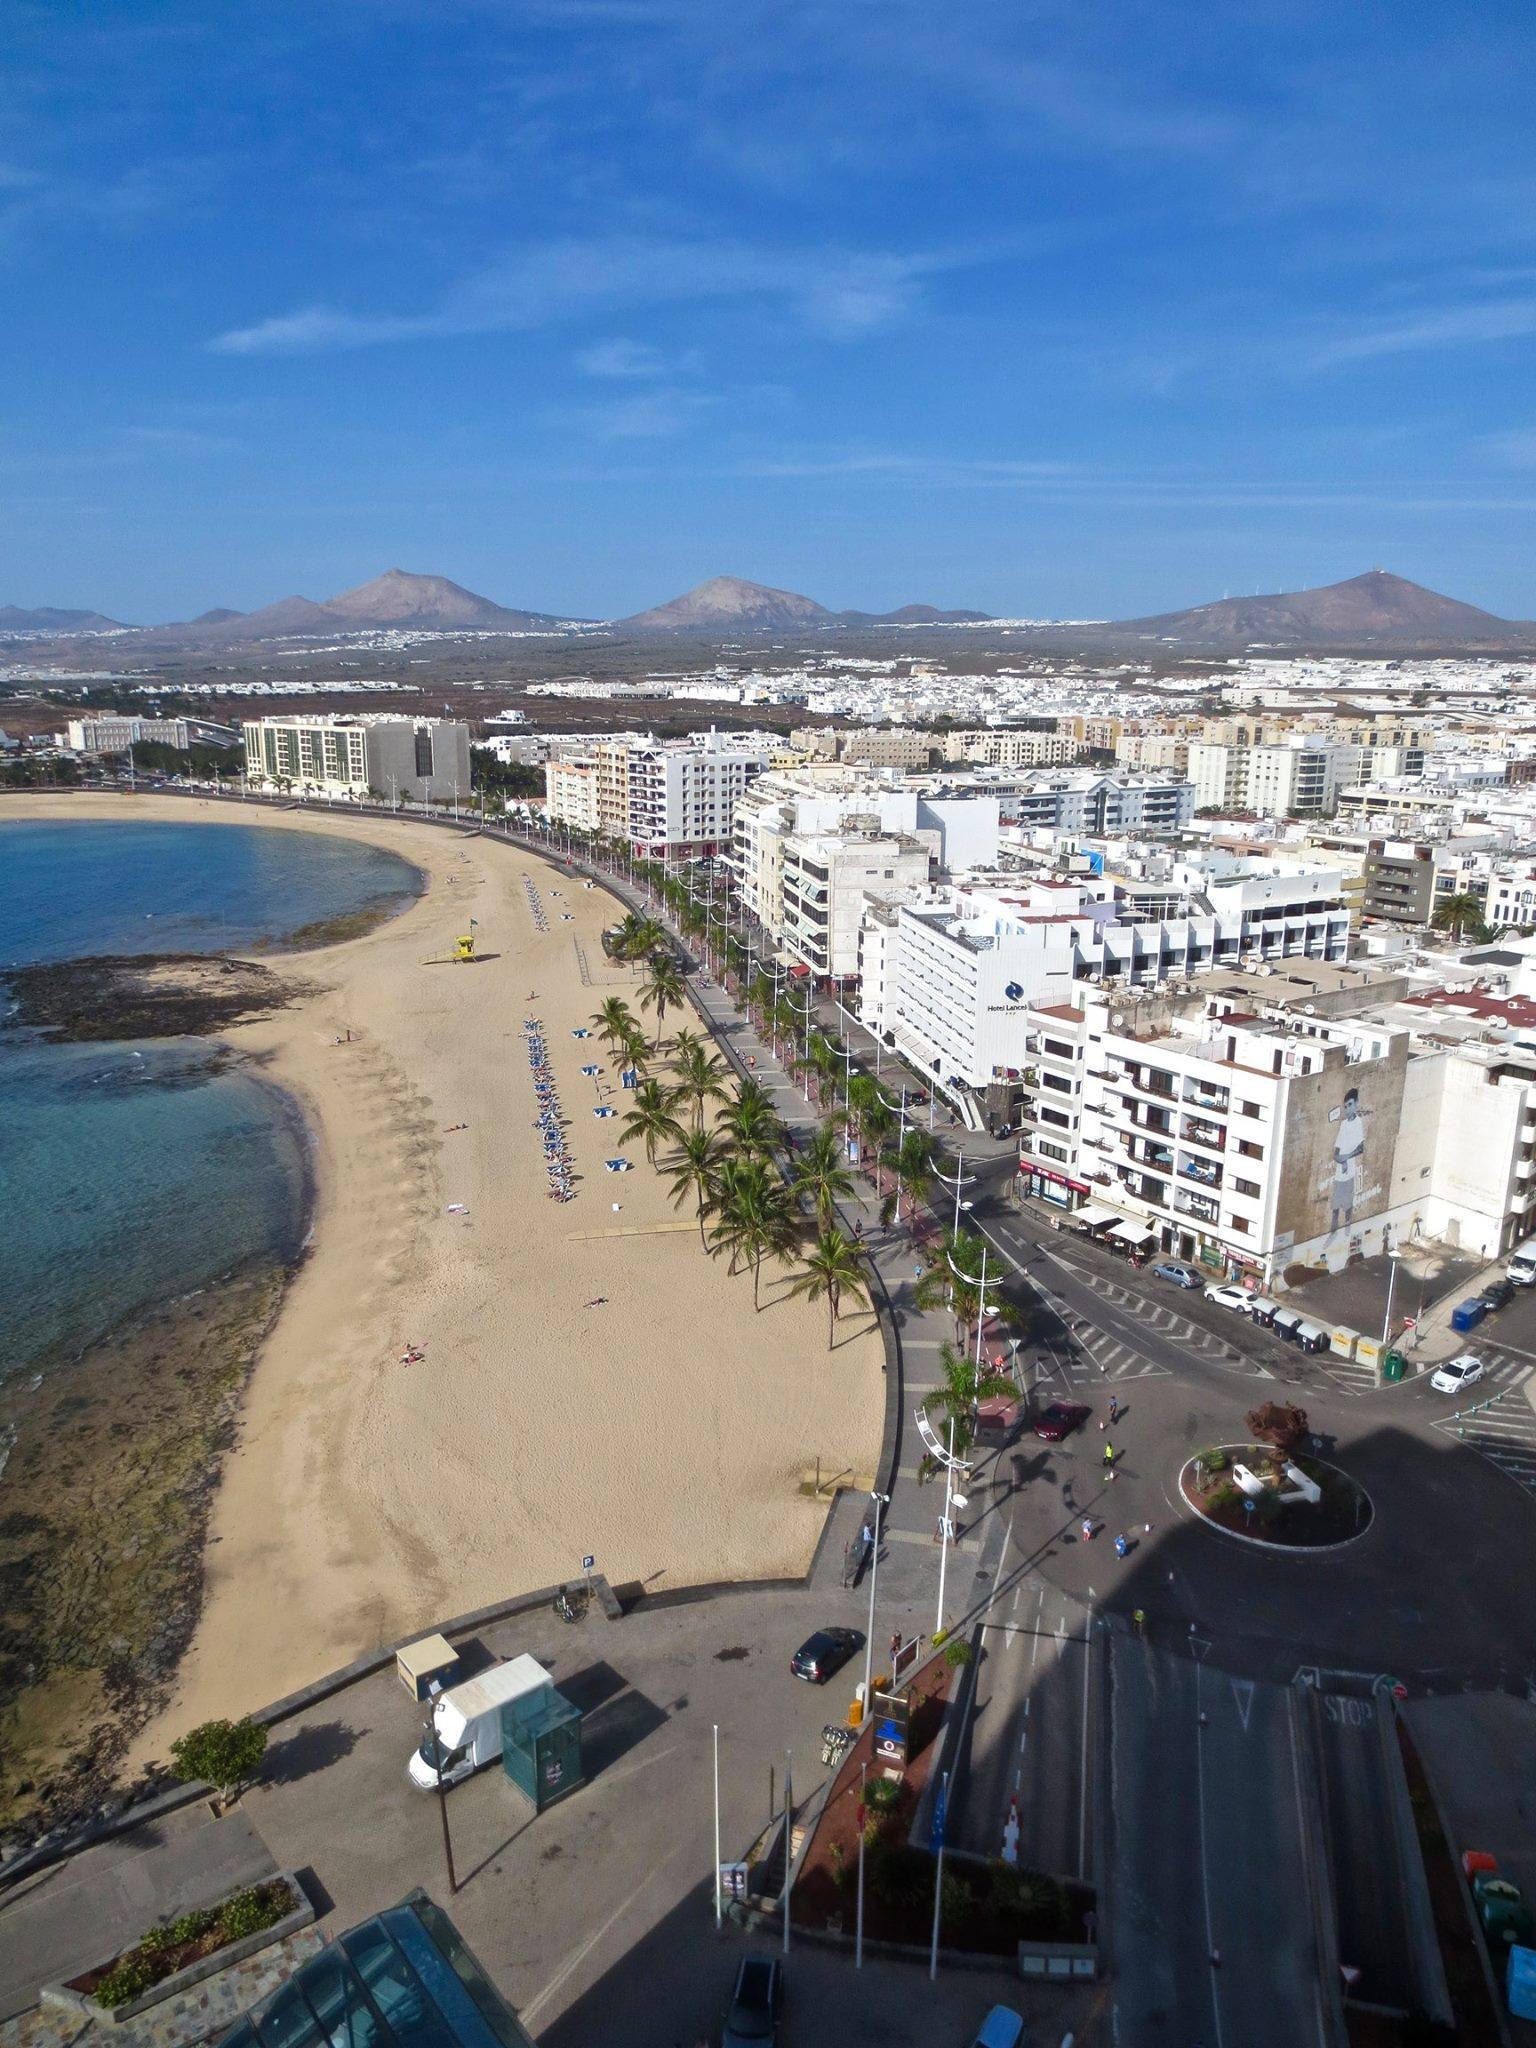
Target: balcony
{"type": "Point", "coordinates": [1196, 1131]}
{"type": "Point", "coordinates": [1201, 1097]}
{"type": "Point", "coordinates": [1202, 1170]}
{"type": "Point", "coordinates": [1199, 1207]}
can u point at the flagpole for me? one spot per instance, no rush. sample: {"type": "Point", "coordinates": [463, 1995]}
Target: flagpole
{"type": "Point", "coordinates": [941, 1815]}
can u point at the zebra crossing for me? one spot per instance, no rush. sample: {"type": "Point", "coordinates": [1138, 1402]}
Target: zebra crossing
{"type": "Point", "coordinates": [1501, 1424]}
{"type": "Point", "coordinates": [1158, 1314]}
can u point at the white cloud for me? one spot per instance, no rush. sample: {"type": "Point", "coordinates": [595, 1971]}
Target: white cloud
{"type": "Point", "coordinates": [840, 294]}
{"type": "Point", "coordinates": [625, 361]}
{"type": "Point", "coordinates": [1439, 328]}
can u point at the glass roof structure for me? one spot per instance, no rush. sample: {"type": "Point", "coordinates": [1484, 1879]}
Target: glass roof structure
{"type": "Point", "coordinates": [404, 1979]}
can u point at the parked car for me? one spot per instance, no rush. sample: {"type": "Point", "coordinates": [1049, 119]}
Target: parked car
{"type": "Point", "coordinates": [1497, 1294]}
{"type": "Point", "coordinates": [1457, 1373]}
{"type": "Point", "coordinates": [824, 1653]}
{"type": "Point", "coordinates": [753, 2015]}
{"type": "Point", "coordinates": [1522, 1266]}
{"type": "Point", "coordinates": [1176, 1271]}
{"type": "Point", "coordinates": [1059, 1420]}
{"type": "Point", "coordinates": [1002, 2028]}
{"type": "Point", "coordinates": [1225, 1296]}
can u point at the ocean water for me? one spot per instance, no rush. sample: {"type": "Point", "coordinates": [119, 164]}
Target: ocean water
{"type": "Point", "coordinates": [132, 1173]}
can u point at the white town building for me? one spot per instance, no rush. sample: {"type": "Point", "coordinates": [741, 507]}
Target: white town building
{"type": "Point", "coordinates": [417, 760]}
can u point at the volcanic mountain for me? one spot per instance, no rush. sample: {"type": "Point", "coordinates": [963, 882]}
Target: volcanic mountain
{"type": "Point", "coordinates": [729, 604]}
{"type": "Point", "coordinates": [45, 618]}
{"type": "Point", "coordinates": [1376, 609]}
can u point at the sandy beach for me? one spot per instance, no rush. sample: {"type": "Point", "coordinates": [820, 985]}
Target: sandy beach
{"type": "Point", "coordinates": [664, 1430]}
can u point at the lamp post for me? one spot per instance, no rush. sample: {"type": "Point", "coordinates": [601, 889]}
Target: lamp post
{"type": "Point", "coordinates": [442, 1794]}
{"type": "Point", "coordinates": [957, 1180]}
{"type": "Point", "coordinates": [858, 1939]}
{"type": "Point", "coordinates": [878, 1502]}
{"type": "Point", "coordinates": [1386, 1325]}
{"type": "Point", "coordinates": [944, 1525]}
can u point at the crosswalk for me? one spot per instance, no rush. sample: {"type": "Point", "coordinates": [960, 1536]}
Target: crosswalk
{"type": "Point", "coordinates": [1157, 1314]}
{"type": "Point", "coordinates": [1501, 1423]}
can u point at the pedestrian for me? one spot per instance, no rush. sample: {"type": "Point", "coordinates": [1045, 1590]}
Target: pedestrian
{"type": "Point", "coordinates": [1087, 1529]}
{"type": "Point", "coordinates": [1139, 1620]}
{"type": "Point", "coordinates": [1122, 1545]}
{"type": "Point", "coordinates": [1114, 1408]}
{"type": "Point", "coordinates": [1109, 1457]}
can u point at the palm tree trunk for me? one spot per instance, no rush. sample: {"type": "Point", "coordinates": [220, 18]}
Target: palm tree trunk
{"type": "Point", "coordinates": [757, 1274]}
{"type": "Point", "coordinates": [703, 1241]}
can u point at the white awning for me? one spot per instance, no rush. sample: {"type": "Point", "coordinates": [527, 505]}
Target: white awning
{"type": "Point", "coordinates": [1132, 1233]}
{"type": "Point", "coordinates": [1092, 1216]}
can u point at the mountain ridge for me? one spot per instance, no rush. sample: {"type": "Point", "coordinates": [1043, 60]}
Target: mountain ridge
{"type": "Point", "coordinates": [1376, 607]}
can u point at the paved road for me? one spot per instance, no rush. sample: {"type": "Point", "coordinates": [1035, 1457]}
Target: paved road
{"type": "Point", "coordinates": [1207, 1859]}
{"type": "Point", "coordinates": [1358, 1818]}
{"type": "Point", "coordinates": [1030, 1742]}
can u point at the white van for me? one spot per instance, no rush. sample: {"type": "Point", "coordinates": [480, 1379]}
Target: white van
{"type": "Point", "coordinates": [466, 1722]}
{"type": "Point", "coordinates": [1522, 1266]}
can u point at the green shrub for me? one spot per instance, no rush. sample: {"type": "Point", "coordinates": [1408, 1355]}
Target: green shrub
{"type": "Point", "coordinates": [224, 1754]}
{"type": "Point", "coordinates": [1215, 1461]}
{"type": "Point", "coordinates": [1223, 1497]}
{"type": "Point", "coordinates": [882, 1795]}
{"type": "Point", "coordinates": [955, 1902]}
{"type": "Point", "coordinates": [958, 1654]}
{"type": "Point", "coordinates": [134, 1975]}
{"type": "Point", "coordinates": [249, 1912]}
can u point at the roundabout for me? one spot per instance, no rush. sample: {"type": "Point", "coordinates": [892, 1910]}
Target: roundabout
{"type": "Point", "coordinates": [1254, 1495]}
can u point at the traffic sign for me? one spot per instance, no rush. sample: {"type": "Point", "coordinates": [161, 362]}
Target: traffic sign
{"type": "Point", "coordinates": [587, 1563]}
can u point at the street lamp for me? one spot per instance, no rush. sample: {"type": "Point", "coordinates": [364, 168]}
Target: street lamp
{"type": "Point", "coordinates": [957, 1180]}
{"type": "Point", "coordinates": [877, 1501]}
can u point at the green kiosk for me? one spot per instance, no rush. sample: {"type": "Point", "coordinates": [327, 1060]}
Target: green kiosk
{"type": "Point", "coordinates": [541, 1746]}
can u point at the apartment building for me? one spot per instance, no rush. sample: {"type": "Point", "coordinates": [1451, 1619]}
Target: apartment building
{"type": "Point", "coordinates": [829, 879]}
{"type": "Point", "coordinates": [1094, 803]}
{"type": "Point", "coordinates": [886, 746]}
{"type": "Point", "coordinates": [1166, 750]}
{"type": "Point", "coordinates": [816, 798]}
{"type": "Point", "coordinates": [1254, 1135]}
{"type": "Point", "coordinates": [668, 799]}
{"type": "Point", "coordinates": [114, 733]}
{"type": "Point", "coordinates": [414, 759]}
{"type": "Point", "coordinates": [571, 792]}
{"type": "Point", "coordinates": [1010, 747]}
{"type": "Point", "coordinates": [959, 969]}
{"type": "Point", "coordinates": [1298, 777]}
{"type": "Point", "coordinates": [1512, 897]}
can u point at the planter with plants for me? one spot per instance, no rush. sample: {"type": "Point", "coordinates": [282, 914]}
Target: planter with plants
{"type": "Point", "coordinates": [1263, 1491]}
{"type": "Point", "coordinates": [179, 1953]}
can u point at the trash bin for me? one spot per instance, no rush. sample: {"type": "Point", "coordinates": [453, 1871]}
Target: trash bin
{"type": "Point", "coordinates": [1393, 1366]}
{"type": "Point", "coordinates": [1469, 1314]}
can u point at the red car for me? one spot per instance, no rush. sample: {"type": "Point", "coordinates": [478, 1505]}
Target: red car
{"type": "Point", "coordinates": [1059, 1420]}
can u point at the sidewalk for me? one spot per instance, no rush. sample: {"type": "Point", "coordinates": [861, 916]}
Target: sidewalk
{"type": "Point", "coordinates": [910, 1552]}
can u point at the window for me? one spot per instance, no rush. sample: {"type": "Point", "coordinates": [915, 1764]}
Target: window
{"type": "Point", "coordinates": [1250, 1109]}
{"type": "Point", "coordinates": [1249, 1150]}
{"type": "Point", "coordinates": [1246, 1187]}
{"type": "Point", "coordinates": [1240, 1224]}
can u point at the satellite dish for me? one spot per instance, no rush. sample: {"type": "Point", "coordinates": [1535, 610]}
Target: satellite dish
{"type": "Point", "coordinates": [1116, 1019]}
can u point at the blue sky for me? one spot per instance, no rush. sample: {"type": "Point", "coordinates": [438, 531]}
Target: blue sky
{"type": "Point", "coordinates": [1052, 309]}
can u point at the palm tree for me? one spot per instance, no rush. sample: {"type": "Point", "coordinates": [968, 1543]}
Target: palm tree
{"type": "Point", "coordinates": [1462, 917]}
{"type": "Point", "coordinates": [912, 1165]}
{"type": "Point", "coordinates": [868, 1113]}
{"type": "Point", "coordinates": [638, 937]}
{"type": "Point", "coordinates": [821, 1173]}
{"type": "Point", "coordinates": [662, 989]}
{"type": "Point", "coordinates": [751, 1122]}
{"type": "Point", "coordinates": [955, 1400]}
{"type": "Point", "coordinates": [953, 1282]}
{"type": "Point", "coordinates": [820, 1063]}
{"type": "Point", "coordinates": [635, 1048]}
{"type": "Point", "coordinates": [696, 1167]}
{"type": "Point", "coordinates": [752, 1215]}
{"type": "Point", "coordinates": [651, 1118]}
{"type": "Point", "coordinates": [700, 1076]}
{"type": "Point", "coordinates": [831, 1268]}
{"type": "Point", "coordinates": [614, 1022]}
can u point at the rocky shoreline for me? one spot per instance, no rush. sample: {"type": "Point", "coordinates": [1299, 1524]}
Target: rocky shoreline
{"type": "Point", "coordinates": [114, 1460]}
{"type": "Point", "coordinates": [149, 995]}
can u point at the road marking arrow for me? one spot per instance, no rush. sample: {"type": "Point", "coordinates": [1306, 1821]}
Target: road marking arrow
{"type": "Point", "coordinates": [1242, 1692]}
{"type": "Point", "coordinates": [1199, 1648]}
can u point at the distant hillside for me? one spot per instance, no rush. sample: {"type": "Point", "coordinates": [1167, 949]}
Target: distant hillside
{"type": "Point", "coordinates": [46, 618]}
{"type": "Point", "coordinates": [1376, 608]}
{"type": "Point", "coordinates": [397, 598]}
{"type": "Point", "coordinates": [729, 604]}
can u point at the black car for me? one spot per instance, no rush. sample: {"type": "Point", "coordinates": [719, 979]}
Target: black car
{"type": "Point", "coordinates": [1497, 1293]}
{"type": "Point", "coordinates": [825, 1652]}
{"type": "Point", "coordinates": [754, 2012]}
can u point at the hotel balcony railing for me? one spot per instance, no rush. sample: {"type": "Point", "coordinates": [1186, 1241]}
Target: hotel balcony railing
{"type": "Point", "coordinates": [1196, 1206]}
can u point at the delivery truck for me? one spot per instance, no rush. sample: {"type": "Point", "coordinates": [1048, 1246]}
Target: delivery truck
{"type": "Point", "coordinates": [464, 1732]}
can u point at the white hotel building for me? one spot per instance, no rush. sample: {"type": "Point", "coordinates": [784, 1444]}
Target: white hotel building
{"type": "Point", "coordinates": [950, 980]}
{"type": "Point", "coordinates": [414, 760]}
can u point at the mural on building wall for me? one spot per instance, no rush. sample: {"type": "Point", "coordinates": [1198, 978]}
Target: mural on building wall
{"type": "Point", "coordinates": [1340, 1136]}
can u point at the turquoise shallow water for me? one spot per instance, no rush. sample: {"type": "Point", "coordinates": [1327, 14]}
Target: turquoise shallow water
{"type": "Point", "coordinates": [130, 1174]}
